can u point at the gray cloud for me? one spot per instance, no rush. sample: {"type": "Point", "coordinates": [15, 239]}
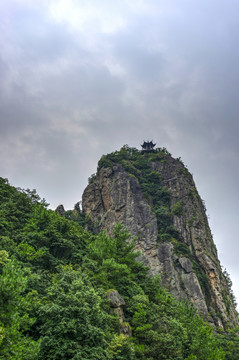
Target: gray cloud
{"type": "Point", "coordinates": [80, 82]}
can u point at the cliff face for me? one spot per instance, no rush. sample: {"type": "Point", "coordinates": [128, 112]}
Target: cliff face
{"type": "Point", "coordinates": [167, 216]}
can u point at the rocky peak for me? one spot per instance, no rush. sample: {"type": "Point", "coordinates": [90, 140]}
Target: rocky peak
{"type": "Point", "coordinates": [60, 210]}
{"type": "Point", "coordinates": [155, 197]}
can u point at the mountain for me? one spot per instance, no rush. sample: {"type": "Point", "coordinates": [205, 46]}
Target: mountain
{"type": "Point", "coordinates": [70, 291]}
{"type": "Point", "coordinates": [155, 197]}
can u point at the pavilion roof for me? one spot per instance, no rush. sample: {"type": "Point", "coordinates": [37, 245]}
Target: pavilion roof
{"type": "Point", "coordinates": [148, 144]}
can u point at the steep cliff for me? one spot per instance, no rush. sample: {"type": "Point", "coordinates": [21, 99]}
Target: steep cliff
{"type": "Point", "coordinates": [155, 197]}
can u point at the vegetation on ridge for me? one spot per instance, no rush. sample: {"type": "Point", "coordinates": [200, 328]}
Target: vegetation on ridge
{"type": "Point", "coordinates": [54, 277]}
{"type": "Point", "coordinates": [148, 168]}
{"type": "Point", "coordinates": [138, 165]}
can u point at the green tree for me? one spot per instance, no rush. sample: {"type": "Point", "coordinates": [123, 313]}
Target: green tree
{"type": "Point", "coordinates": [74, 322]}
{"type": "Point", "coordinates": [229, 340]}
{"type": "Point", "coordinates": [15, 315]}
{"type": "Point", "coordinates": [111, 263]}
{"type": "Point", "coordinates": [54, 277]}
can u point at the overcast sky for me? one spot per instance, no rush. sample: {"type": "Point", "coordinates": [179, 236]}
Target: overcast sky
{"type": "Point", "coordinates": [81, 78]}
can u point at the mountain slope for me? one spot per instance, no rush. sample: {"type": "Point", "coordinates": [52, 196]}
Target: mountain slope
{"type": "Point", "coordinates": [155, 197]}
{"type": "Point", "coordinates": [66, 293]}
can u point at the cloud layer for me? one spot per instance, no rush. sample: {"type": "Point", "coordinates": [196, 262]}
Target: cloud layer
{"type": "Point", "coordinates": [79, 80]}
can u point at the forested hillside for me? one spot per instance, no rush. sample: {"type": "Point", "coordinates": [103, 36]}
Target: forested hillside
{"type": "Point", "coordinates": [59, 283]}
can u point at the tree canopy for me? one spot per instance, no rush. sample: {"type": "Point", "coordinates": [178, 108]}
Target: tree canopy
{"type": "Point", "coordinates": [54, 278]}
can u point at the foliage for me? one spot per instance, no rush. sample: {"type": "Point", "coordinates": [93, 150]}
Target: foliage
{"type": "Point", "coordinates": [54, 277]}
{"type": "Point", "coordinates": [74, 323]}
{"type": "Point", "coordinates": [229, 284]}
{"type": "Point", "coordinates": [229, 341]}
{"type": "Point", "coordinates": [15, 316]}
{"type": "Point", "coordinates": [177, 208]}
{"type": "Point", "coordinates": [79, 217]}
{"type": "Point", "coordinates": [154, 191]}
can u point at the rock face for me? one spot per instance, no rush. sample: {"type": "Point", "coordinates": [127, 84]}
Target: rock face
{"type": "Point", "coordinates": [60, 209]}
{"type": "Point", "coordinates": [117, 302]}
{"type": "Point", "coordinates": [189, 267]}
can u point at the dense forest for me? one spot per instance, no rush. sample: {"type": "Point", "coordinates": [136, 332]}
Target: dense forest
{"type": "Point", "coordinates": [55, 278]}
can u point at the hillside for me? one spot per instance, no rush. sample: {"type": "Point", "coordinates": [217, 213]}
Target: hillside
{"type": "Point", "coordinates": [71, 293]}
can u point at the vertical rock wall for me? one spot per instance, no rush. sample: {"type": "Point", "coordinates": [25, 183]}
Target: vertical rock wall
{"type": "Point", "coordinates": [190, 269]}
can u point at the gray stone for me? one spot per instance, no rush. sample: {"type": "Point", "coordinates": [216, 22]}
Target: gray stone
{"type": "Point", "coordinates": [116, 302]}
{"type": "Point", "coordinates": [125, 329]}
{"type": "Point", "coordinates": [186, 264]}
{"type": "Point", "coordinates": [115, 299]}
{"type": "Point", "coordinates": [115, 196]}
{"type": "Point", "coordinates": [60, 209]}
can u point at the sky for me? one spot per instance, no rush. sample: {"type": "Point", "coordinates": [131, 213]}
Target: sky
{"type": "Point", "coordinates": [82, 78]}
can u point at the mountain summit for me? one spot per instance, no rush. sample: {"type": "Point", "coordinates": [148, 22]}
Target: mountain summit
{"type": "Point", "coordinates": [155, 197]}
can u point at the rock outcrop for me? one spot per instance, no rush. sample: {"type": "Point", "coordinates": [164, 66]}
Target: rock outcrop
{"type": "Point", "coordinates": [116, 303]}
{"type": "Point", "coordinates": [188, 263]}
{"type": "Point", "coordinates": [60, 210]}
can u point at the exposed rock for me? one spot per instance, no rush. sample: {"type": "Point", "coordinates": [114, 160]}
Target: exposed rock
{"type": "Point", "coordinates": [115, 299]}
{"type": "Point", "coordinates": [126, 329]}
{"type": "Point", "coordinates": [116, 302]}
{"type": "Point", "coordinates": [186, 264]}
{"type": "Point", "coordinates": [60, 209]}
{"type": "Point", "coordinates": [120, 313]}
{"type": "Point", "coordinates": [115, 196]}
{"type": "Point", "coordinates": [77, 206]}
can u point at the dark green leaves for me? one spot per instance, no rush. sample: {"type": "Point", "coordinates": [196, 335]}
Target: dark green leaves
{"type": "Point", "coordinates": [74, 324]}
{"type": "Point", "coordinates": [54, 277]}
